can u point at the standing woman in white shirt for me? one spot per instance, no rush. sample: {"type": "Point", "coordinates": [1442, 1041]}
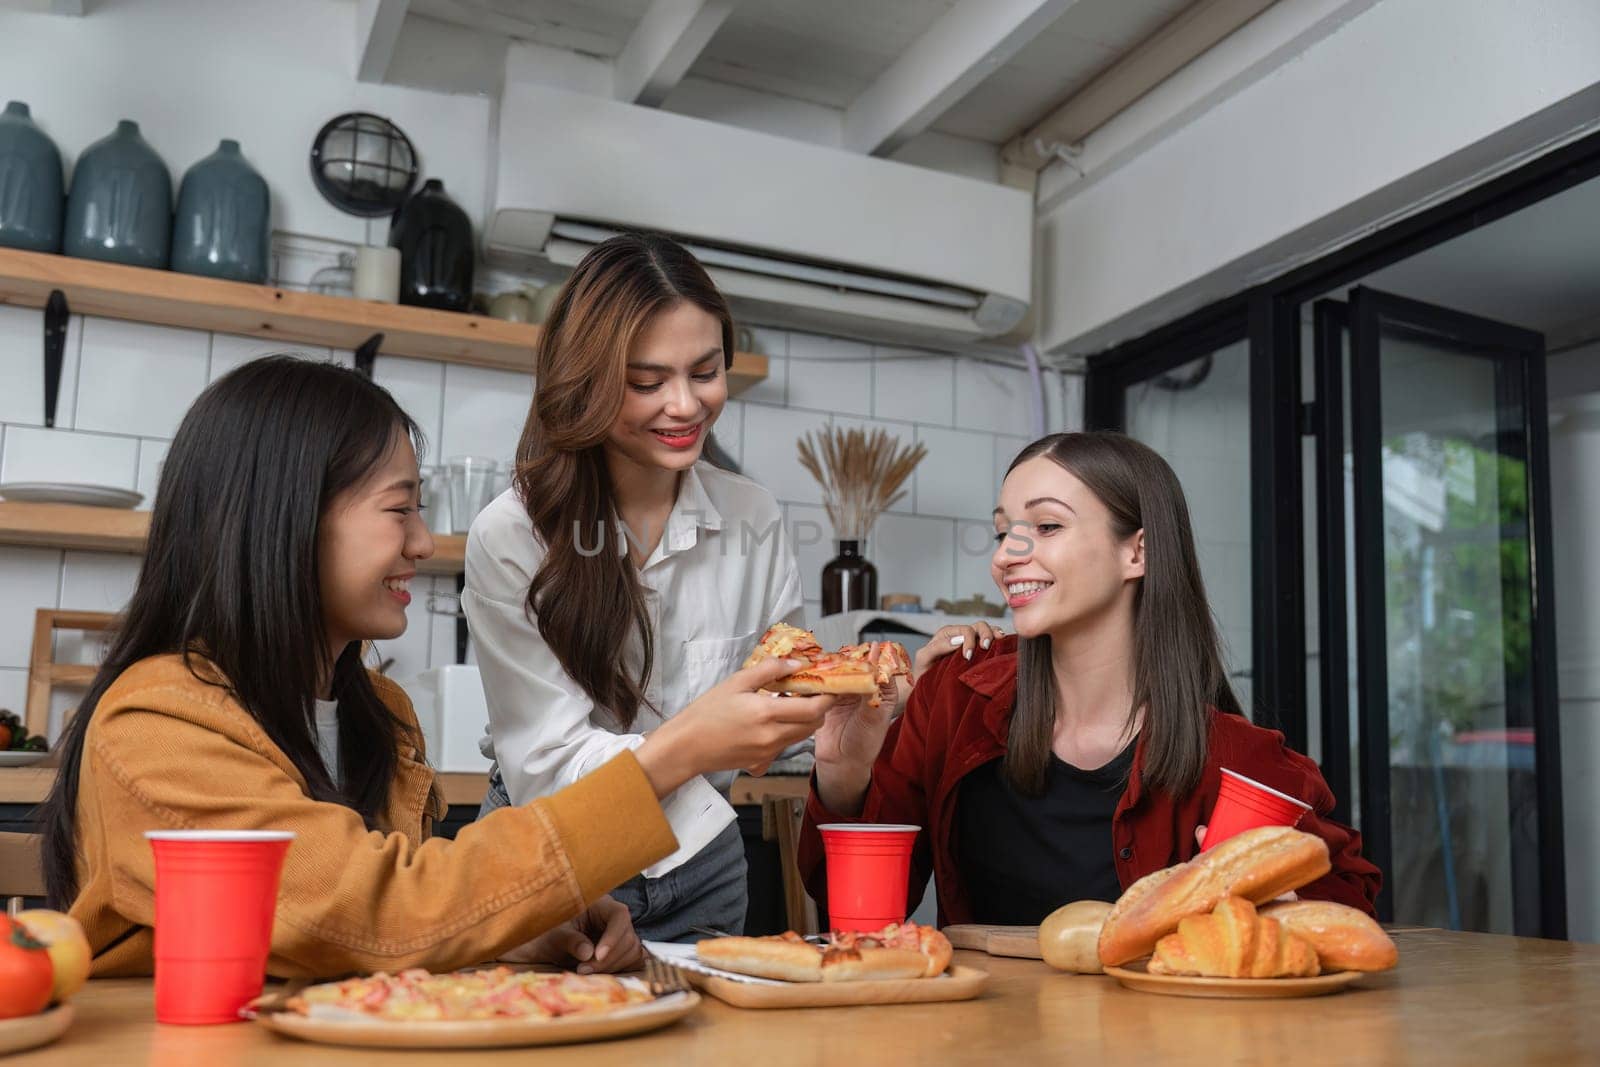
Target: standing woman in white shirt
{"type": "Point", "coordinates": [620, 577]}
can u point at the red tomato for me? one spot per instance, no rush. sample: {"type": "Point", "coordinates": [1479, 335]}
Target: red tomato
{"type": "Point", "coordinates": [26, 972]}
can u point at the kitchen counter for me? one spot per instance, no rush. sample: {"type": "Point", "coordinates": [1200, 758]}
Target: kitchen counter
{"type": "Point", "coordinates": [1455, 999]}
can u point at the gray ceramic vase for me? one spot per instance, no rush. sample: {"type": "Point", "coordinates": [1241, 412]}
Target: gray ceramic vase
{"type": "Point", "coordinates": [30, 184]}
{"type": "Point", "coordinates": [221, 228]}
{"type": "Point", "coordinates": [120, 206]}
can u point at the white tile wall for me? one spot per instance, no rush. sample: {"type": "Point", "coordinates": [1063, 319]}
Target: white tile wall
{"type": "Point", "coordinates": [13, 689]}
{"type": "Point", "coordinates": [137, 381]}
{"type": "Point", "coordinates": [956, 478]}
{"type": "Point", "coordinates": [418, 387]}
{"type": "Point", "coordinates": [152, 453]}
{"type": "Point", "coordinates": [913, 386]}
{"type": "Point", "coordinates": [31, 578]}
{"type": "Point", "coordinates": [480, 404]}
{"type": "Point", "coordinates": [834, 375]}
{"type": "Point", "coordinates": [230, 351]}
{"type": "Point", "coordinates": [22, 360]}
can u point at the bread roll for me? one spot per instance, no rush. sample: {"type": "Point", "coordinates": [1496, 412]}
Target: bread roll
{"type": "Point", "coordinates": [1345, 939]}
{"type": "Point", "coordinates": [1234, 942]}
{"type": "Point", "coordinates": [1257, 865]}
{"type": "Point", "coordinates": [1069, 937]}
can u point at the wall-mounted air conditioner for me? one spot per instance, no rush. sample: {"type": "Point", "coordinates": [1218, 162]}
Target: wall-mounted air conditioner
{"type": "Point", "coordinates": [795, 234]}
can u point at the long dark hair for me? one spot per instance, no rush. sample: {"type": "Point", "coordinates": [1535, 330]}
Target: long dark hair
{"type": "Point", "coordinates": [1178, 674]}
{"type": "Point", "coordinates": [589, 604]}
{"type": "Point", "coordinates": [230, 579]}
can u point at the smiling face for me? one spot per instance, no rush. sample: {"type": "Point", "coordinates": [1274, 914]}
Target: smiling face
{"type": "Point", "coordinates": [677, 386]}
{"type": "Point", "coordinates": [1058, 560]}
{"type": "Point", "coordinates": [368, 543]}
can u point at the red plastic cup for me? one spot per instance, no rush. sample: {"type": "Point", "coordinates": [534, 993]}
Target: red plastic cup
{"type": "Point", "coordinates": [215, 894]}
{"type": "Point", "coordinates": [1244, 804]}
{"type": "Point", "coordinates": [869, 866]}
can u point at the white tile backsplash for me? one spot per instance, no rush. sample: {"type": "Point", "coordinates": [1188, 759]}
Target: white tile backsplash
{"type": "Point", "coordinates": [484, 410]}
{"type": "Point", "coordinates": [992, 397]}
{"type": "Point", "coordinates": [152, 453]}
{"type": "Point", "coordinates": [913, 386]}
{"type": "Point", "coordinates": [956, 478]}
{"type": "Point", "coordinates": [37, 455]}
{"type": "Point", "coordinates": [14, 690]}
{"type": "Point", "coordinates": [418, 387]}
{"type": "Point", "coordinates": [30, 579]}
{"type": "Point", "coordinates": [914, 555]}
{"type": "Point", "coordinates": [1006, 448]}
{"type": "Point", "coordinates": [231, 351]}
{"type": "Point", "coordinates": [974, 547]}
{"type": "Point", "coordinates": [770, 456]}
{"type": "Point", "coordinates": [138, 379]}
{"type": "Point", "coordinates": [22, 368]}
{"type": "Point", "coordinates": [773, 389]}
{"type": "Point", "coordinates": [814, 543]}
{"type": "Point", "coordinates": [97, 581]}
{"type": "Point", "coordinates": [828, 374]}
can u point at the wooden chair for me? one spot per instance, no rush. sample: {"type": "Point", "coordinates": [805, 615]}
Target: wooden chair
{"type": "Point", "coordinates": [45, 674]}
{"type": "Point", "coordinates": [780, 821]}
{"type": "Point", "coordinates": [21, 873]}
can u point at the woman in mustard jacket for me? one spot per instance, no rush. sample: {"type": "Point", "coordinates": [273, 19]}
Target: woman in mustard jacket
{"type": "Point", "coordinates": [285, 530]}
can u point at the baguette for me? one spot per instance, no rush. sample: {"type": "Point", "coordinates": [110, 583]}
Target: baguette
{"type": "Point", "coordinates": [789, 957]}
{"type": "Point", "coordinates": [1345, 939]}
{"type": "Point", "coordinates": [1257, 865]}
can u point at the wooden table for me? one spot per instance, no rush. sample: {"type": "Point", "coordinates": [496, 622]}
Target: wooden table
{"type": "Point", "coordinates": [1455, 999]}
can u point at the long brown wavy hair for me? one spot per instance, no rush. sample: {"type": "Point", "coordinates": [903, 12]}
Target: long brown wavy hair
{"type": "Point", "coordinates": [589, 605]}
{"type": "Point", "coordinates": [1178, 674]}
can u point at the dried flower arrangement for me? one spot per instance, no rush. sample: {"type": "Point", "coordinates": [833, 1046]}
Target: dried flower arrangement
{"type": "Point", "coordinates": [861, 475]}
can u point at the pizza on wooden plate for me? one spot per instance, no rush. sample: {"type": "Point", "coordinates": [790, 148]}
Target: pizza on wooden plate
{"type": "Point", "coordinates": [899, 950]}
{"type": "Point", "coordinates": [854, 670]}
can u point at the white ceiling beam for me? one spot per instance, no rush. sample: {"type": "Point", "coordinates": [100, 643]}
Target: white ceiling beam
{"type": "Point", "coordinates": [967, 44]}
{"type": "Point", "coordinates": [663, 46]}
{"type": "Point", "coordinates": [1194, 30]}
{"type": "Point", "coordinates": [378, 25]}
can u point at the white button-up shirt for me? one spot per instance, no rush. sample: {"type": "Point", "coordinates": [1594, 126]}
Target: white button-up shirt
{"type": "Point", "coordinates": [722, 573]}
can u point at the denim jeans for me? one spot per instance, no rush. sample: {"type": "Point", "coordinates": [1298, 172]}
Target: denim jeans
{"type": "Point", "coordinates": [710, 889]}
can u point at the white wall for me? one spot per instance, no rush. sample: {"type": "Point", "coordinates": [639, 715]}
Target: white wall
{"type": "Point", "coordinates": [126, 385]}
{"type": "Point", "coordinates": [1359, 112]}
{"type": "Point", "coordinates": [192, 72]}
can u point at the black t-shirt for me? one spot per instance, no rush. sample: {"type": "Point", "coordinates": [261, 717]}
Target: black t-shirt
{"type": "Point", "coordinates": [1023, 857]}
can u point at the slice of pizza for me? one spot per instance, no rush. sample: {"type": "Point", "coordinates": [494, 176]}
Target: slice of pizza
{"type": "Point", "coordinates": [855, 670]}
{"type": "Point", "coordinates": [899, 951]}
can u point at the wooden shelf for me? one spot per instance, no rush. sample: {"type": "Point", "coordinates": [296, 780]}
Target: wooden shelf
{"type": "Point", "coordinates": [72, 526]}
{"type": "Point", "coordinates": [169, 298]}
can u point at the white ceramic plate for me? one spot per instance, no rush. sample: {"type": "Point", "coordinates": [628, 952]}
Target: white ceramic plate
{"type": "Point", "coordinates": [100, 496]}
{"type": "Point", "coordinates": [22, 759]}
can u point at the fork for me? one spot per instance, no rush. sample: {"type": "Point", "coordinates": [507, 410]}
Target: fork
{"type": "Point", "coordinates": [663, 978]}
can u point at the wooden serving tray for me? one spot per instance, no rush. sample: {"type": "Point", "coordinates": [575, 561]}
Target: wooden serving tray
{"type": "Point", "coordinates": [1021, 942]}
{"type": "Point", "coordinates": [958, 983]}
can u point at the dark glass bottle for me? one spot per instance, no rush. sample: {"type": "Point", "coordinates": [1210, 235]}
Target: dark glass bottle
{"type": "Point", "coordinates": [849, 581]}
{"type": "Point", "coordinates": [434, 237]}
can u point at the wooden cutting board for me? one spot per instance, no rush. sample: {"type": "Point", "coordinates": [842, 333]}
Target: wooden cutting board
{"type": "Point", "coordinates": [1018, 941]}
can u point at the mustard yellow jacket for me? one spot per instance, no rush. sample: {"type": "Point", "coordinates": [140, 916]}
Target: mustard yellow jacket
{"type": "Point", "coordinates": [165, 750]}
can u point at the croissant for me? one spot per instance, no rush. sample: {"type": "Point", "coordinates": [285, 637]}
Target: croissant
{"type": "Point", "coordinates": [1234, 942]}
{"type": "Point", "coordinates": [1344, 939]}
